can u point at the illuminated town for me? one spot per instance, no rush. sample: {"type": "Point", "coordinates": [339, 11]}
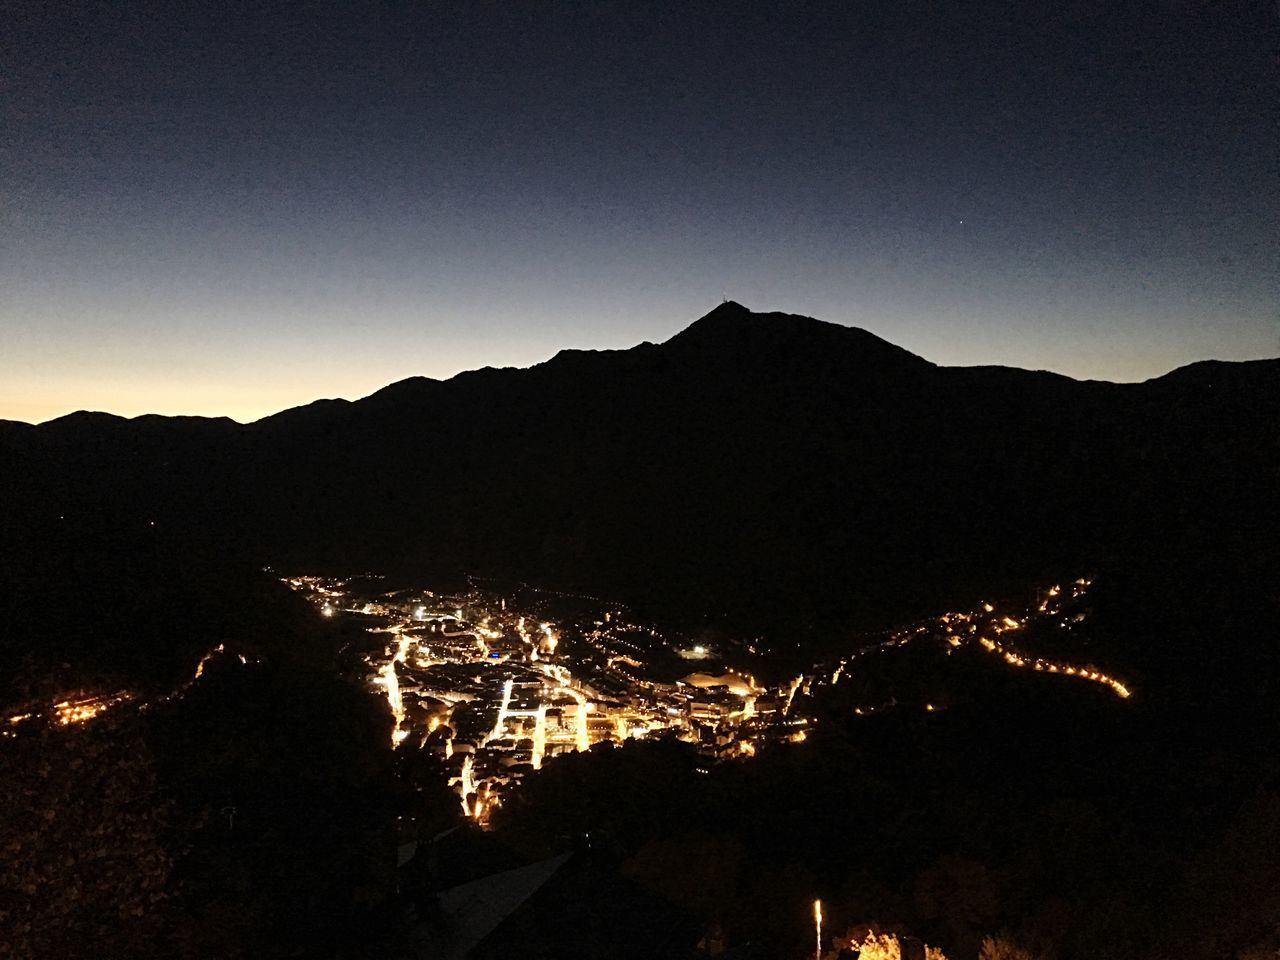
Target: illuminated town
{"type": "Point", "coordinates": [497, 680]}
{"type": "Point", "coordinates": [496, 687]}
{"type": "Point", "coordinates": [496, 684]}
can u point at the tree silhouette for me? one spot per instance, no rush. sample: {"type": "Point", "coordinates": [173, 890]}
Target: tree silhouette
{"type": "Point", "coordinates": [81, 829]}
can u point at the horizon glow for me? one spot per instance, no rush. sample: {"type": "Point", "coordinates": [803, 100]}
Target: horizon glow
{"type": "Point", "coordinates": [223, 215]}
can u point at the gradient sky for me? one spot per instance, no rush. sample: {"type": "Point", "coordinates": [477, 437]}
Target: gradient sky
{"type": "Point", "coordinates": [208, 208]}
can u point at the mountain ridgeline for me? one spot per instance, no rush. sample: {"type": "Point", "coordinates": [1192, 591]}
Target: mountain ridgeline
{"type": "Point", "coordinates": [771, 468]}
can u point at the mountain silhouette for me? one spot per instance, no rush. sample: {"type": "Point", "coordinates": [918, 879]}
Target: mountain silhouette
{"type": "Point", "coordinates": [775, 469]}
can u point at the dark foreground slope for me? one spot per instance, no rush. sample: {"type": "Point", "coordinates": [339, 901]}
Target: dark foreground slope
{"type": "Point", "coordinates": [1056, 821]}
{"type": "Point", "coordinates": [237, 798]}
{"type": "Point", "coordinates": [790, 471]}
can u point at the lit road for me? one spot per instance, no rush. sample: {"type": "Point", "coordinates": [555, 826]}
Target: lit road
{"type": "Point", "coordinates": [488, 659]}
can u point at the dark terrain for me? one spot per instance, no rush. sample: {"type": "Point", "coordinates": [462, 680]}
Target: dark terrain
{"type": "Point", "coordinates": [788, 472]}
{"type": "Point", "coordinates": [766, 474]}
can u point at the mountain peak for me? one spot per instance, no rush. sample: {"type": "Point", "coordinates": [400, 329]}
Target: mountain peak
{"type": "Point", "coordinates": [730, 318]}
{"type": "Point", "coordinates": [723, 317]}
{"type": "Point", "coordinates": [734, 329]}
{"type": "Point", "coordinates": [729, 308]}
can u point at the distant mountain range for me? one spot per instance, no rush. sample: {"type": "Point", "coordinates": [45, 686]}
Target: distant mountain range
{"type": "Point", "coordinates": [772, 468]}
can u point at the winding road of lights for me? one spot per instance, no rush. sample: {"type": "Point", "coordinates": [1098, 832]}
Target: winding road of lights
{"type": "Point", "coordinates": [623, 658]}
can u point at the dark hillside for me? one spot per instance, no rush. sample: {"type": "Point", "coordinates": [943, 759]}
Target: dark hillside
{"type": "Point", "coordinates": [783, 471]}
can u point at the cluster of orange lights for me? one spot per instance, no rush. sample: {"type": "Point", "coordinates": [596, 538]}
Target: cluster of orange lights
{"type": "Point", "coordinates": [1048, 666]}
{"type": "Point", "coordinates": [73, 710]}
{"type": "Point", "coordinates": [999, 624]}
{"type": "Point", "coordinates": [1039, 664]}
{"type": "Point", "coordinates": [68, 712]}
{"type": "Point", "coordinates": [82, 708]}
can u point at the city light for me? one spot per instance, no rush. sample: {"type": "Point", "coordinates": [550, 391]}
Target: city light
{"type": "Point", "coordinates": [84, 709]}
{"type": "Point", "coordinates": [510, 700]}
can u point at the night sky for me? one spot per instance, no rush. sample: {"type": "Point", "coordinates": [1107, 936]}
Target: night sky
{"type": "Point", "coordinates": [218, 210]}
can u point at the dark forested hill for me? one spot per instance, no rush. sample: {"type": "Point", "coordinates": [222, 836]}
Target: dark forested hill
{"type": "Point", "coordinates": [786, 474]}
{"type": "Point", "coordinates": [773, 466]}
